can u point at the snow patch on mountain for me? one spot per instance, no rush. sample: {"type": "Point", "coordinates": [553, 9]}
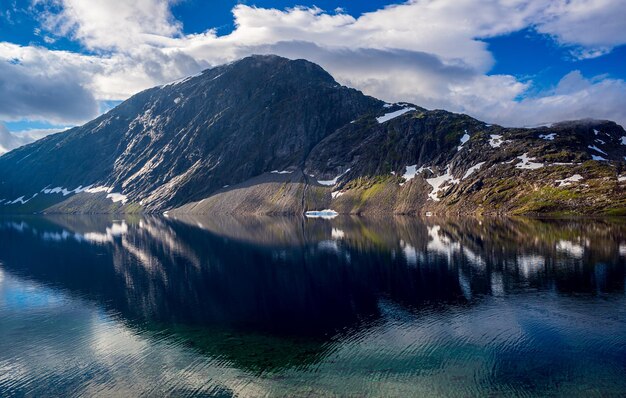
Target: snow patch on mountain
{"type": "Point", "coordinates": [472, 169]}
{"type": "Point", "coordinates": [464, 139]}
{"type": "Point", "coordinates": [332, 182]}
{"type": "Point", "coordinates": [595, 148]}
{"type": "Point", "coordinates": [548, 137]}
{"type": "Point", "coordinates": [496, 140]}
{"type": "Point", "coordinates": [527, 163]}
{"type": "Point", "coordinates": [392, 115]}
{"type": "Point", "coordinates": [568, 181]}
{"type": "Point", "coordinates": [438, 183]}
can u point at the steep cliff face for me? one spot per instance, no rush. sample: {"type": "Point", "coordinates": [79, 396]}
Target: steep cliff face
{"type": "Point", "coordinates": [267, 135]}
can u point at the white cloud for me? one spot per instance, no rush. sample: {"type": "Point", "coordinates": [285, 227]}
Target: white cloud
{"type": "Point", "coordinates": [423, 51]}
{"type": "Point", "coordinates": [110, 24]}
{"type": "Point", "coordinates": [40, 84]}
{"type": "Point", "coordinates": [575, 97]}
{"type": "Point", "coordinates": [11, 140]}
{"type": "Point", "coordinates": [596, 26]}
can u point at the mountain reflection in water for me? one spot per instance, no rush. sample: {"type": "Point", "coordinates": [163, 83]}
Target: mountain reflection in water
{"type": "Point", "coordinates": [286, 306]}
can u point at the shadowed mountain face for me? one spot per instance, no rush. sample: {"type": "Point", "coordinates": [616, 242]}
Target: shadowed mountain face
{"type": "Point", "coordinates": [269, 135]}
{"type": "Point", "coordinates": [173, 144]}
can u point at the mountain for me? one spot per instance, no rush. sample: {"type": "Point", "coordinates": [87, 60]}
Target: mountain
{"type": "Point", "coordinates": [270, 135]}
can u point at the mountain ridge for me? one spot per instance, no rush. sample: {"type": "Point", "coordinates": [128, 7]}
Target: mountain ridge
{"type": "Point", "coordinates": [268, 135]}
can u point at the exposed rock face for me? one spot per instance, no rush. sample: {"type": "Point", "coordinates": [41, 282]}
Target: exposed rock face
{"type": "Point", "coordinates": [266, 135]}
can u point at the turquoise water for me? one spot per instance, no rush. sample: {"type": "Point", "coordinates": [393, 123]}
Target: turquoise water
{"type": "Point", "coordinates": [92, 306]}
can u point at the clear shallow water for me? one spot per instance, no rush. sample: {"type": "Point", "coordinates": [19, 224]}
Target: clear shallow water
{"type": "Point", "coordinates": [289, 307]}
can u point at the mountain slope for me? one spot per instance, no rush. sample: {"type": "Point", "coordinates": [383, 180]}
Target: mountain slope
{"type": "Point", "coordinates": [270, 135]}
{"type": "Point", "coordinates": [171, 144]}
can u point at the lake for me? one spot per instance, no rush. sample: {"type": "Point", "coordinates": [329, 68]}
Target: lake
{"type": "Point", "coordinates": [252, 307]}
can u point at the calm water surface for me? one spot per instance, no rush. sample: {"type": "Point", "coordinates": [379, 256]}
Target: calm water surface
{"type": "Point", "coordinates": [310, 307]}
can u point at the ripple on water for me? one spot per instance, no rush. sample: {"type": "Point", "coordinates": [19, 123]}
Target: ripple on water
{"type": "Point", "coordinates": [396, 308]}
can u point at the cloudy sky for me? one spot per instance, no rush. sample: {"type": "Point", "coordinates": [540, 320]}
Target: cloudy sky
{"type": "Point", "coordinates": [512, 62]}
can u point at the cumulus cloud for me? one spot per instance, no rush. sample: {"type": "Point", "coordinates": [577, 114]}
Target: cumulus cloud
{"type": "Point", "coordinates": [428, 52]}
{"type": "Point", "coordinates": [36, 85]}
{"type": "Point", "coordinates": [110, 24]}
{"type": "Point", "coordinates": [594, 26]}
{"type": "Point", "coordinates": [575, 97]}
{"type": "Point", "coordinates": [11, 140]}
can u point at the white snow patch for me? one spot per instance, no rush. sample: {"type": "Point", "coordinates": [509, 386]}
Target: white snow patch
{"type": "Point", "coordinates": [624, 140]}
{"type": "Point", "coordinates": [281, 172]}
{"type": "Point", "coordinates": [387, 105]}
{"type": "Point", "coordinates": [464, 139]}
{"type": "Point", "coordinates": [548, 137]}
{"type": "Point", "coordinates": [177, 100]}
{"type": "Point", "coordinates": [599, 158]}
{"type": "Point", "coordinates": [410, 172]}
{"type": "Point", "coordinates": [19, 200]}
{"type": "Point", "coordinates": [496, 140]}
{"type": "Point", "coordinates": [569, 181]}
{"type": "Point", "coordinates": [326, 214]}
{"type": "Point", "coordinates": [332, 182]}
{"type": "Point", "coordinates": [336, 194]}
{"type": "Point", "coordinates": [596, 132]}
{"type": "Point", "coordinates": [595, 148]}
{"type": "Point", "coordinates": [98, 189]}
{"type": "Point", "coordinates": [527, 163]}
{"type": "Point", "coordinates": [472, 169]}
{"type": "Point", "coordinates": [61, 190]}
{"type": "Point", "coordinates": [117, 197]}
{"type": "Point", "coordinates": [621, 178]}
{"type": "Point", "coordinates": [391, 115]}
{"type": "Point", "coordinates": [438, 183]}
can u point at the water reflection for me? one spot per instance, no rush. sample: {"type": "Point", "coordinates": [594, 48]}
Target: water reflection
{"type": "Point", "coordinates": [254, 304]}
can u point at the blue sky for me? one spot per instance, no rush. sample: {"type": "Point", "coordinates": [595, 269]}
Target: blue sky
{"type": "Point", "coordinates": [515, 62]}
